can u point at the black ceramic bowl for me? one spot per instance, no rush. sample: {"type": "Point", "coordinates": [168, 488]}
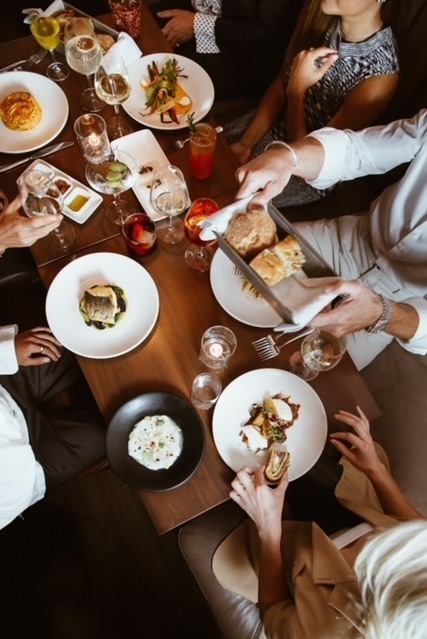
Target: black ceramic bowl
{"type": "Point", "coordinates": [184, 415]}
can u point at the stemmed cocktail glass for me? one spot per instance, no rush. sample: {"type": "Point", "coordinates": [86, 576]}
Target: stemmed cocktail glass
{"type": "Point", "coordinates": [84, 54]}
{"type": "Point", "coordinates": [40, 197]}
{"type": "Point", "coordinates": [112, 85]}
{"type": "Point", "coordinates": [46, 30]}
{"type": "Point", "coordinates": [169, 196]}
{"type": "Point", "coordinates": [113, 174]}
{"type": "Point", "coordinates": [198, 254]}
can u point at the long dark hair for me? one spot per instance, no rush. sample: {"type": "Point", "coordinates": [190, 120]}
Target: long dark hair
{"type": "Point", "coordinates": [313, 24]}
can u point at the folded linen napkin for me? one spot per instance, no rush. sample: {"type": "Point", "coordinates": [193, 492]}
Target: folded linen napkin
{"type": "Point", "coordinates": [126, 47]}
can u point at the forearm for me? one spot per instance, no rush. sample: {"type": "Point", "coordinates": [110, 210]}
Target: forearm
{"type": "Point", "coordinates": [272, 585]}
{"type": "Point", "coordinates": [391, 498]}
{"type": "Point", "coordinates": [297, 127]}
{"type": "Point", "coordinates": [403, 322]}
{"type": "Point", "coordinates": [269, 109]}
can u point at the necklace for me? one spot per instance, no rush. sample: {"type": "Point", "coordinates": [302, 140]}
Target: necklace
{"type": "Point", "coordinates": [365, 36]}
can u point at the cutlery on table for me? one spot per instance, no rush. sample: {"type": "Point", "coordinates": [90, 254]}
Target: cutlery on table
{"type": "Point", "coordinates": [179, 144]}
{"type": "Point", "coordinates": [53, 148]}
{"type": "Point", "coordinates": [269, 346]}
{"type": "Point", "coordinates": [24, 65]}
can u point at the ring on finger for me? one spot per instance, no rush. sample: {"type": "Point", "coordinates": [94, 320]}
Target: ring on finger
{"type": "Point", "coordinates": [41, 349]}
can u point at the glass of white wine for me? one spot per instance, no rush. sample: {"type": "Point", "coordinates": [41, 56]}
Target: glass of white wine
{"type": "Point", "coordinates": [84, 54]}
{"type": "Point", "coordinates": [320, 351]}
{"type": "Point", "coordinates": [41, 196]}
{"type": "Point", "coordinates": [112, 85]}
{"type": "Point", "coordinates": [46, 30]}
{"type": "Point", "coordinates": [169, 196]}
{"type": "Point", "coordinates": [112, 175]}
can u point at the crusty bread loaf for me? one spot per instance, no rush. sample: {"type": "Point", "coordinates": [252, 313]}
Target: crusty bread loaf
{"type": "Point", "coordinates": [281, 260]}
{"type": "Point", "coordinates": [251, 232]}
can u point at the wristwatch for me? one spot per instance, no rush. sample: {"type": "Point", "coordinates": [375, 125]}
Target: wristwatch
{"type": "Point", "coordinates": [381, 323]}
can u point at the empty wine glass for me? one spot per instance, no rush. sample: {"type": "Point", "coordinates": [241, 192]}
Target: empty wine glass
{"type": "Point", "coordinates": [84, 54]}
{"type": "Point", "coordinates": [320, 351]}
{"type": "Point", "coordinates": [46, 31]}
{"type": "Point", "coordinates": [169, 196]}
{"type": "Point", "coordinates": [113, 175]}
{"type": "Point", "coordinates": [112, 85]}
{"type": "Point", "coordinates": [41, 196]}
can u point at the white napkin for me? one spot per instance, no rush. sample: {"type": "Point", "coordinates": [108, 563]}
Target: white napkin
{"type": "Point", "coordinates": [126, 47]}
{"type": "Point", "coordinates": [57, 5]}
{"type": "Point", "coordinates": [305, 297]}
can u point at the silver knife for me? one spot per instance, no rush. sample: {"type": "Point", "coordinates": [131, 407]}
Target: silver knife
{"type": "Point", "coordinates": [12, 66]}
{"type": "Point", "coordinates": [53, 148]}
{"type": "Point", "coordinates": [254, 279]}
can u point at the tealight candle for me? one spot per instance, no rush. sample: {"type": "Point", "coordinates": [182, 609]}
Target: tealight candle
{"type": "Point", "coordinates": [216, 350]}
{"type": "Point", "coordinates": [93, 140]}
{"type": "Point", "coordinates": [91, 133]}
{"type": "Point", "coordinates": [218, 345]}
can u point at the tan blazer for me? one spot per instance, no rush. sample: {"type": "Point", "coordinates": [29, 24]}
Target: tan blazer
{"type": "Point", "coordinates": [324, 588]}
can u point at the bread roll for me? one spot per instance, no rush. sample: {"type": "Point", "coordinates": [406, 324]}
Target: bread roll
{"type": "Point", "coordinates": [281, 260]}
{"type": "Point", "coordinates": [251, 232]}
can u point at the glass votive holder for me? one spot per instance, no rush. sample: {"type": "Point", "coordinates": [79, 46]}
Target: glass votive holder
{"type": "Point", "coordinates": [205, 390]}
{"type": "Point", "coordinates": [92, 136]}
{"type": "Point", "coordinates": [217, 346]}
{"type": "Point", "coordinates": [140, 235]}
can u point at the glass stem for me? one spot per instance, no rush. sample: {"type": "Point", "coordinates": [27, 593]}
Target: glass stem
{"type": "Point", "coordinates": [53, 56]}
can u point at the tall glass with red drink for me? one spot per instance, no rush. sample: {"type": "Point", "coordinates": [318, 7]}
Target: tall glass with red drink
{"type": "Point", "coordinates": [202, 150]}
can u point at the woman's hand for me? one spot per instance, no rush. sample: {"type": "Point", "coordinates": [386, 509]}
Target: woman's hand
{"type": "Point", "coordinates": [179, 27]}
{"type": "Point", "coordinates": [260, 501]}
{"type": "Point", "coordinates": [242, 151]}
{"type": "Point", "coordinates": [36, 346]}
{"type": "Point", "coordinates": [308, 67]}
{"type": "Point", "coordinates": [18, 231]}
{"type": "Point", "coordinates": [361, 453]}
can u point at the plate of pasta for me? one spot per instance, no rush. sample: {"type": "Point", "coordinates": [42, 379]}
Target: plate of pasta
{"type": "Point", "coordinates": [32, 96]}
{"type": "Point", "coordinates": [188, 89]}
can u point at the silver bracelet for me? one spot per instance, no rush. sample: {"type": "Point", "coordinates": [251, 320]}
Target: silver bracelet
{"type": "Point", "coordinates": [279, 144]}
{"type": "Point", "coordinates": [383, 320]}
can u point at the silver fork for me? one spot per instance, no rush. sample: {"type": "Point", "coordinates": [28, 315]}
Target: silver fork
{"type": "Point", "coordinates": [179, 144]}
{"type": "Point", "coordinates": [269, 346]}
{"type": "Point", "coordinates": [35, 58]}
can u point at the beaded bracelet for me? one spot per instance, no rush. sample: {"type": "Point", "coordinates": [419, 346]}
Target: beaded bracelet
{"type": "Point", "coordinates": [283, 145]}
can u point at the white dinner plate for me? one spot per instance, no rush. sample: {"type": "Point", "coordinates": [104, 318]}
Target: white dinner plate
{"type": "Point", "coordinates": [67, 289]}
{"type": "Point", "coordinates": [242, 305]}
{"type": "Point", "coordinates": [197, 84]}
{"type": "Point", "coordinates": [305, 438]}
{"type": "Point", "coordinates": [72, 189]}
{"type": "Point", "coordinates": [147, 153]}
{"type": "Point", "coordinates": [52, 101]}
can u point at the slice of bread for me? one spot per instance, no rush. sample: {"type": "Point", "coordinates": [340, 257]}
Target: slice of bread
{"type": "Point", "coordinates": [281, 260]}
{"type": "Point", "coordinates": [250, 232]}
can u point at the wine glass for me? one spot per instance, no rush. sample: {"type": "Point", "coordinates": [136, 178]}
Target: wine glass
{"type": "Point", "coordinates": [169, 196]}
{"type": "Point", "coordinates": [320, 351]}
{"type": "Point", "coordinates": [41, 196]}
{"type": "Point", "coordinates": [46, 30]}
{"type": "Point", "coordinates": [112, 85]}
{"type": "Point", "coordinates": [198, 254]}
{"type": "Point", "coordinates": [84, 54]}
{"type": "Point", "coordinates": [114, 174]}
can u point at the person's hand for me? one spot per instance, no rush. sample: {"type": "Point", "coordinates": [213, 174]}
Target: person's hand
{"type": "Point", "coordinates": [358, 446]}
{"type": "Point", "coordinates": [36, 346]}
{"type": "Point", "coordinates": [360, 307]}
{"type": "Point", "coordinates": [241, 151]}
{"type": "Point", "coordinates": [179, 28]}
{"type": "Point", "coordinates": [308, 67]}
{"type": "Point", "coordinates": [265, 176]}
{"type": "Point", "coordinates": [260, 501]}
{"type": "Point", "coordinates": [19, 231]}
{"type": "Point", "coordinates": [4, 200]}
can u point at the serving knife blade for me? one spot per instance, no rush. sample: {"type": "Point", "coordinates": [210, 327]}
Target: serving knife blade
{"type": "Point", "coordinates": [12, 66]}
{"type": "Point", "coordinates": [254, 279]}
{"type": "Point", "coordinates": [53, 148]}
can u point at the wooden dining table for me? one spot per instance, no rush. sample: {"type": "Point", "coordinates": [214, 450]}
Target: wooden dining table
{"type": "Point", "coordinates": [168, 359]}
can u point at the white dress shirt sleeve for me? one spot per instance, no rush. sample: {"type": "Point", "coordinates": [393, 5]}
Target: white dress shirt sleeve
{"type": "Point", "coordinates": [8, 361]}
{"type": "Point", "coordinates": [418, 343]}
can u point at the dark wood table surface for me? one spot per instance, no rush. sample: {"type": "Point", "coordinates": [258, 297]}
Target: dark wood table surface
{"type": "Point", "coordinates": [168, 359]}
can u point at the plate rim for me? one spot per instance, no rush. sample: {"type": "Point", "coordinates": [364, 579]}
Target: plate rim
{"type": "Point", "coordinates": [129, 261]}
{"type": "Point", "coordinates": [266, 371]}
{"type": "Point", "coordinates": [161, 394]}
{"type": "Point", "coordinates": [184, 60]}
{"type": "Point", "coordinates": [65, 106]}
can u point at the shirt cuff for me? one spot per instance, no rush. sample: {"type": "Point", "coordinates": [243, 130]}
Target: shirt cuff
{"type": "Point", "coordinates": [418, 343]}
{"type": "Point", "coordinates": [8, 361]}
{"type": "Point", "coordinates": [335, 143]}
{"type": "Point", "coordinates": [204, 33]}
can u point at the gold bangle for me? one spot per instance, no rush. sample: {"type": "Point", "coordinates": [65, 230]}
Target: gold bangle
{"type": "Point", "coordinates": [276, 144]}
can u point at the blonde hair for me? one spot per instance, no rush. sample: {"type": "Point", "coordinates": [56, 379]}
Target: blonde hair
{"type": "Point", "coordinates": [392, 572]}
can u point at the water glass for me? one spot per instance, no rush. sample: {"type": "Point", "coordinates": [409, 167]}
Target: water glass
{"type": "Point", "coordinates": [205, 390]}
{"type": "Point", "coordinates": [202, 150]}
{"type": "Point", "coordinates": [91, 134]}
{"type": "Point", "coordinates": [217, 346]}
